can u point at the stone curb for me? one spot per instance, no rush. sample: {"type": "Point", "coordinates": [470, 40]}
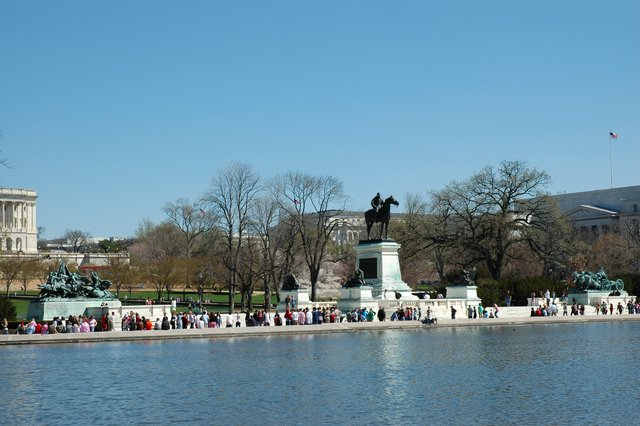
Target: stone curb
{"type": "Point", "coordinates": [214, 333]}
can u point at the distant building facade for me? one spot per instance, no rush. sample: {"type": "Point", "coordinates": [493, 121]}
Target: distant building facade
{"type": "Point", "coordinates": [598, 212]}
{"type": "Point", "coordinates": [18, 229]}
{"type": "Point", "coordinates": [350, 228]}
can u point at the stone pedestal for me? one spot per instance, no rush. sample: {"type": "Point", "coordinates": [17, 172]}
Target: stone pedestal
{"type": "Point", "coordinates": [591, 298]}
{"type": "Point", "coordinates": [469, 292]}
{"type": "Point", "coordinates": [462, 296]}
{"type": "Point", "coordinates": [301, 297]}
{"type": "Point", "coordinates": [378, 260]}
{"type": "Point", "coordinates": [48, 309]}
{"type": "Point", "coordinates": [355, 298]}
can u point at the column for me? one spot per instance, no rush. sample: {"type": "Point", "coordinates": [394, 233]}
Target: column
{"type": "Point", "coordinates": [30, 226]}
{"type": "Point", "coordinates": [21, 216]}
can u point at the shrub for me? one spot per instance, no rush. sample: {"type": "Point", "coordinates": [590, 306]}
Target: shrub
{"type": "Point", "coordinates": [492, 291]}
{"type": "Point", "coordinates": [7, 309]}
{"type": "Point", "coordinates": [631, 283]}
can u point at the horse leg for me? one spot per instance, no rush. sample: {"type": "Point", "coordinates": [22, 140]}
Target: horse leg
{"type": "Point", "coordinates": [369, 225]}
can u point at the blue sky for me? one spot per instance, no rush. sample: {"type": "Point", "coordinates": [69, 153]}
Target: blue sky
{"type": "Point", "coordinates": [110, 109]}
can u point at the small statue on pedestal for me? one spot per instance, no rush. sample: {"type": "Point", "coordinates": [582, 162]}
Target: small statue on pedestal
{"type": "Point", "coordinates": [357, 280]}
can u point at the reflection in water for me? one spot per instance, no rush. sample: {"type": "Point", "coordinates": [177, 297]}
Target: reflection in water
{"type": "Point", "coordinates": [431, 375]}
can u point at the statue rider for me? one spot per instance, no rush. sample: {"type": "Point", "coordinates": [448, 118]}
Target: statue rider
{"type": "Point", "coordinates": [376, 202]}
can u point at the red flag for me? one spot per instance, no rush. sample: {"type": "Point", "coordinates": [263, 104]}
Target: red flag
{"type": "Point", "coordinates": [613, 135]}
{"type": "Point", "coordinates": [296, 202]}
{"type": "Point", "coordinates": [202, 213]}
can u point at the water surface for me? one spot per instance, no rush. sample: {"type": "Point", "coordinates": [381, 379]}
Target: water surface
{"type": "Point", "coordinates": [551, 373]}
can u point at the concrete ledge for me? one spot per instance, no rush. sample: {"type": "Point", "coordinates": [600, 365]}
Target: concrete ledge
{"type": "Point", "coordinates": [213, 333]}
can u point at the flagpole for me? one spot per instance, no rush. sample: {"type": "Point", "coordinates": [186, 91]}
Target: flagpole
{"type": "Point", "coordinates": [610, 162]}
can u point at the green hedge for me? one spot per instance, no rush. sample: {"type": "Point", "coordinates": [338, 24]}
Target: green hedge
{"type": "Point", "coordinates": [7, 308]}
{"type": "Point", "coordinates": [495, 291]}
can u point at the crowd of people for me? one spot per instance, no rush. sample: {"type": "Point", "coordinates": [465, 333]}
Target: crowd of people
{"type": "Point", "coordinates": [633, 307]}
{"type": "Point", "coordinates": [132, 321]}
{"type": "Point", "coordinates": [260, 318]}
{"type": "Point", "coordinates": [480, 311]}
{"type": "Point", "coordinates": [193, 319]}
{"type": "Point", "coordinates": [545, 310]}
{"type": "Point", "coordinates": [71, 324]}
{"type": "Point", "coordinates": [576, 309]}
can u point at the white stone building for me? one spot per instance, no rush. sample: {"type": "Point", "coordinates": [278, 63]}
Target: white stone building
{"type": "Point", "coordinates": [18, 229]}
{"type": "Point", "coordinates": [594, 213]}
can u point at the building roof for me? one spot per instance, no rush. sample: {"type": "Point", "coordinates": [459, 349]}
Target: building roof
{"type": "Point", "coordinates": [612, 200]}
{"type": "Point", "coordinates": [599, 209]}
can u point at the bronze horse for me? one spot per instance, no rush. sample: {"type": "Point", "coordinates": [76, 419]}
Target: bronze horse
{"type": "Point", "coordinates": [382, 217]}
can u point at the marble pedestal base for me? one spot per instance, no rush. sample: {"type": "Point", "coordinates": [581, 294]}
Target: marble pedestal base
{"type": "Point", "coordinates": [591, 298]}
{"type": "Point", "coordinates": [355, 298]}
{"type": "Point", "coordinates": [463, 296]}
{"type": "Point", "coordinates": [48, 309]}
{"type": "Point", "coordinates": [300, 297]}
{"type": "Point", "coordinates": [380, 264]}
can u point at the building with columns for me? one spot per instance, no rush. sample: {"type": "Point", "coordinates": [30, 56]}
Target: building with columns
{"type": "Point", "coordinates": [18, 229]}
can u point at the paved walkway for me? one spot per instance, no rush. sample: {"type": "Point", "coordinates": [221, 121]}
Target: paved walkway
{"type": "Point", "coordinates": [213, 333]}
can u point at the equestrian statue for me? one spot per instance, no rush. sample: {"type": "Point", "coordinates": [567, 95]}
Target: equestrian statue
{"type": "Point", "coordinates": [379, 213]}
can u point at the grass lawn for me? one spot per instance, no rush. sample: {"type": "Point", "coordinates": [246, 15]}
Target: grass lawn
{"type": "Point", "coordinates": [22, 307]}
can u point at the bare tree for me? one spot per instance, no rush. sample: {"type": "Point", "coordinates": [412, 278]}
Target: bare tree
{"type": "Point", "coordinates": [4, 161]}
{"type": "Point", "coordinates": [425, 234]}
{"type": "Point", "coordinates": [76, 238]}
{"type": "Point", "coordinates": [494, 211]}
{"type": "Point", "coordinates": [631, 229]}
{"type": "Point", "coordinates": [277, 240]}
{"type": "Point", "coordinates": [231, 196]}
{"type": "Point", "coordinates": [204, 273]}
{"type": "Point", "coordinates": [10, 270]}
{"type": "Point", "coordinates": [249, 271]}
{"type": "Point", "coordinates": [193, 222]}
{"type": "Point", "coordinates": [163, 274]}
{"type": "Point", "coordinates": [554, 241]}
{"type": "Point", "coordinates": [155, 252]}
{"type": "Point", "coordinates": [30, 270]}
{"type": "Point", "coordinates": [120, 273]}
{"type": "Point", "coordinates": [611, 251]}
{"type": "Point", "coordinates": [308, 201]}
{"type": "Point", "coordinates": [136, 276]}
{"type": "Point", "coordinates": [157, 241]}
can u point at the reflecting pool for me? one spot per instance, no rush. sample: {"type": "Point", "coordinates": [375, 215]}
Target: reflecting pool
{"type": "Point", "coordinates": [551, 373]}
